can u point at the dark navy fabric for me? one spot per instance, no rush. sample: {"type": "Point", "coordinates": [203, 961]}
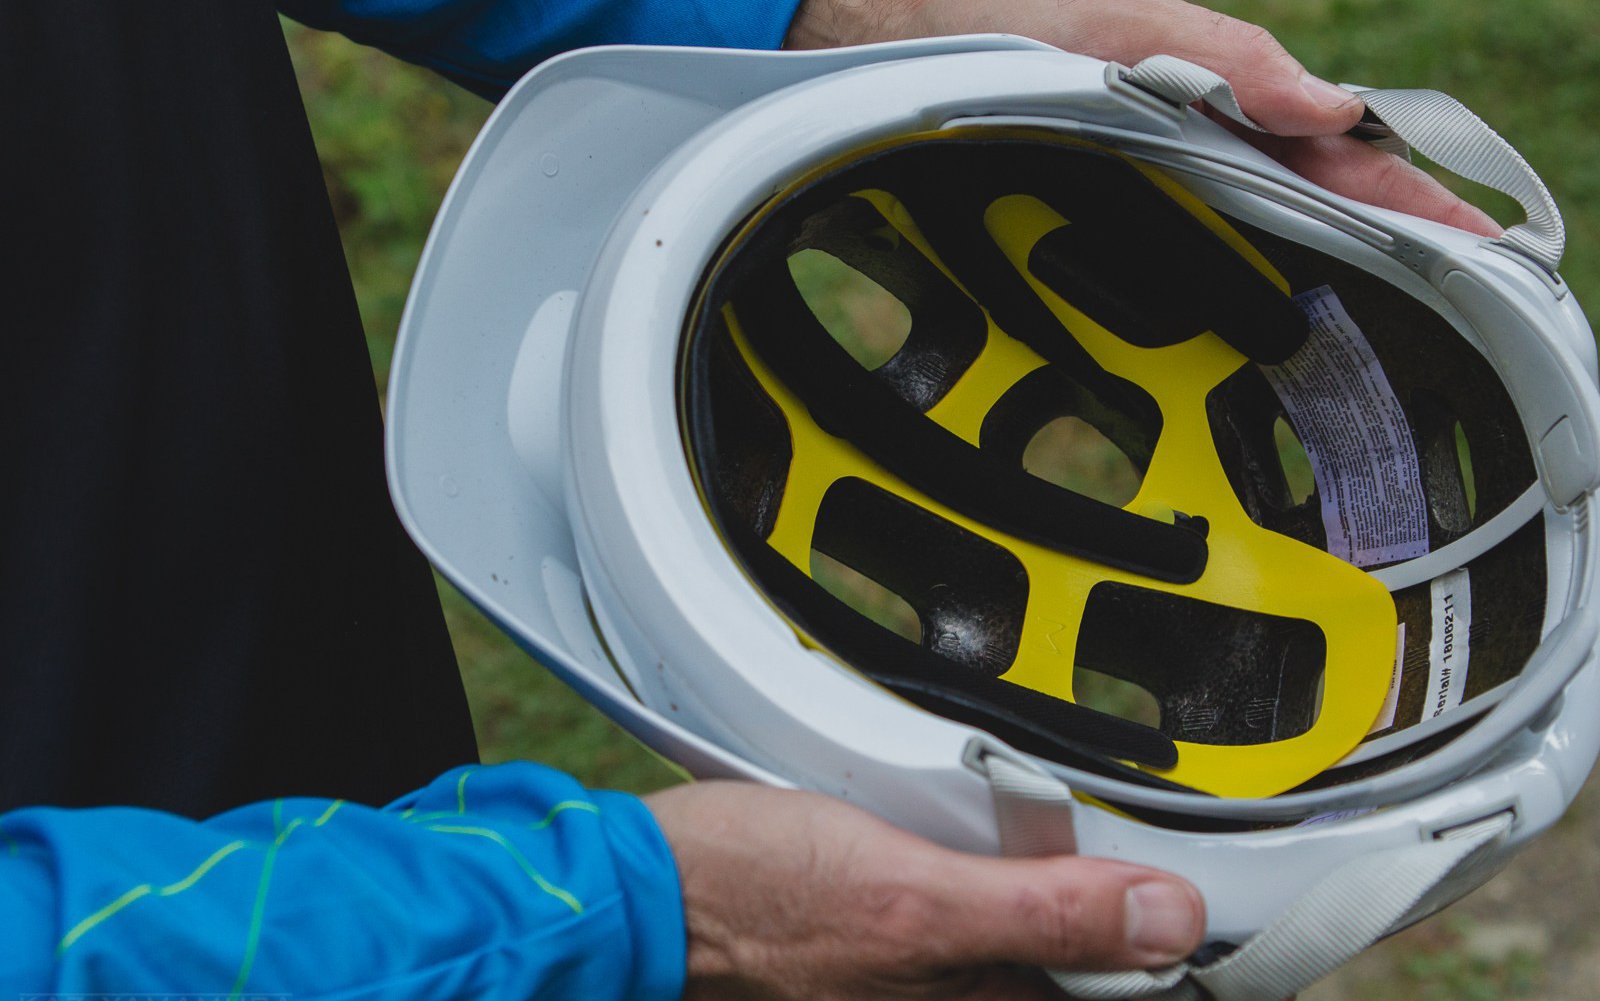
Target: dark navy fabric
{"type": "Point", "coordinates": [205, 596]}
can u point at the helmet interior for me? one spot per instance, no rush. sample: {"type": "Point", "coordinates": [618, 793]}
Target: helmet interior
{"type": "Point", "coordinates": [1018, 428]}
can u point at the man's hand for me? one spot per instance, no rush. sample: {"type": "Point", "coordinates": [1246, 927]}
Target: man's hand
{"type": "Point", "coordinates": [1307, 116]}
{"type": "Point", "coordinates": [793, 895]}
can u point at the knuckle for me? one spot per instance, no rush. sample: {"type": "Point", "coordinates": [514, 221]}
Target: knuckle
{"type": "Point", "coordinates": [1256, 43]}
{"type": "Point", "coordinates": [1056, 915]}
{"type": "Point", "coordinates": [1390, 180]}
{"type": "Point", "coordinates": [903, 920]}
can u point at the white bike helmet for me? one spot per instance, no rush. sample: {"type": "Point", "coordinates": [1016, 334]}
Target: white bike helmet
{"type": "Point", "coordinates": [978, 433]}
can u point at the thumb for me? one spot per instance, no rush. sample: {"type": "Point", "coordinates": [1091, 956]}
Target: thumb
{"type": "Point", "coordinates": [1064, 913]}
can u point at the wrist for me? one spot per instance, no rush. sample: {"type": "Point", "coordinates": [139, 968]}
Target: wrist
{"type": "Point", "coordinates": [822, 24]}
{"type": "Point", "coordinates": [701, 856]}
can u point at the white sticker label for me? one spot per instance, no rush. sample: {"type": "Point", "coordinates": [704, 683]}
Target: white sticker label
{"type": "Point", "coordinates": [1356, 436]}
{"type": "Point", "coordinates": [1449, 648]}
{"type": "Point", "coordinates": [1392, 702]}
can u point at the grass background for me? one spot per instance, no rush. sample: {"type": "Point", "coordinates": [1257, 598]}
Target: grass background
{"type": "Point", "coordinates": [390, 137]}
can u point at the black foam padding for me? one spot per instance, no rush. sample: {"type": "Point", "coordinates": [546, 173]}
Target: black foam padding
{"type": "Point", "coordinates": [1509, 592]}
{"type": "Point", "coordinates": [1127, 253]}
{"type": "Point", "coordinates": [1438, 378]}
{"type": "Point", "coordinates": [1384, 762]}
{"type": "Point", "coordinates": [1110, 281]}
{"type": "Point", "coordinates": [1196, 823]}
{"type": "Point", "coordinates": [751, 461]}
{"type": "Point", "coordinates": [1220, 675]}
{"type": "Point", "coordinates": [969, 594]}
{"type": "Point", "coordinates": [1031, 721]}
{"type": "Point", "coordinates": [846, 401]}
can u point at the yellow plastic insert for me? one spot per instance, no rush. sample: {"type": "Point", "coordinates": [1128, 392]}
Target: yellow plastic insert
{"type": "Point", "coordinates": [1249, 567]}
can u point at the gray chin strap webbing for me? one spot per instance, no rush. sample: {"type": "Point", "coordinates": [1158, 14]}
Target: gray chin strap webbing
{"type": "Point", "coordinates": [1352, 907]}
{"type": "Point", "coordinates": [1436, 125]}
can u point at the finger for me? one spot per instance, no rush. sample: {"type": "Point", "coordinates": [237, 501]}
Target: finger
{"type": "Point", "coordinates": [1066, 913]}
{"type": "Point", "coordinates": [1347, 166]}
{"type": "Point", "coordinates": [1272, 87]}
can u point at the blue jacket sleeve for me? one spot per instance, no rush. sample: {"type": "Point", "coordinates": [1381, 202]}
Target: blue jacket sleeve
{"type": "Point", "coordinates": [487, 44]}
{"type": "Point", "coordinates": [511, 882]}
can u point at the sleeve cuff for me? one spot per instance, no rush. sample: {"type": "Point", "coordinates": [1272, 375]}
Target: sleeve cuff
{"type": "Point", "coordinates": [654, 899]}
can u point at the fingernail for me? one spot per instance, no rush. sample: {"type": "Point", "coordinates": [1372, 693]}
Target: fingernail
{"type": "Point", "coordinates": [1324, 93]}
{"type": "Point", "coordinates": [1160, 920]}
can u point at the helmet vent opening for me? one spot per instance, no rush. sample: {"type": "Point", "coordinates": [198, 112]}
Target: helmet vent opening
{"type": "Point", "coordinates": [861, 315]}
{"type": "Point", "coordinates": [1264, 457]}
{"type": "Point", "coordinates": [1072, 436]}
{"type": "Point", "coordinates": [1468, 481]}
{"type": "Point", "coordinates": [1115, 697]}
{"type": "Point", "coordinates": [866, 597]}
{"type": "Point", "coordinates": [1446, 464]}
{"type": "Point", "coordinates": [1072, 453]}
{"type": "Point", "coordinates": [1297, 476]}
{"type": "Point", "coordinates": [876, 294]}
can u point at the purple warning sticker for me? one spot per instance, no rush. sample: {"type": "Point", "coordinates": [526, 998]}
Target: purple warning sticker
{"type": "Point", "coordinates": [1357, 438]}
